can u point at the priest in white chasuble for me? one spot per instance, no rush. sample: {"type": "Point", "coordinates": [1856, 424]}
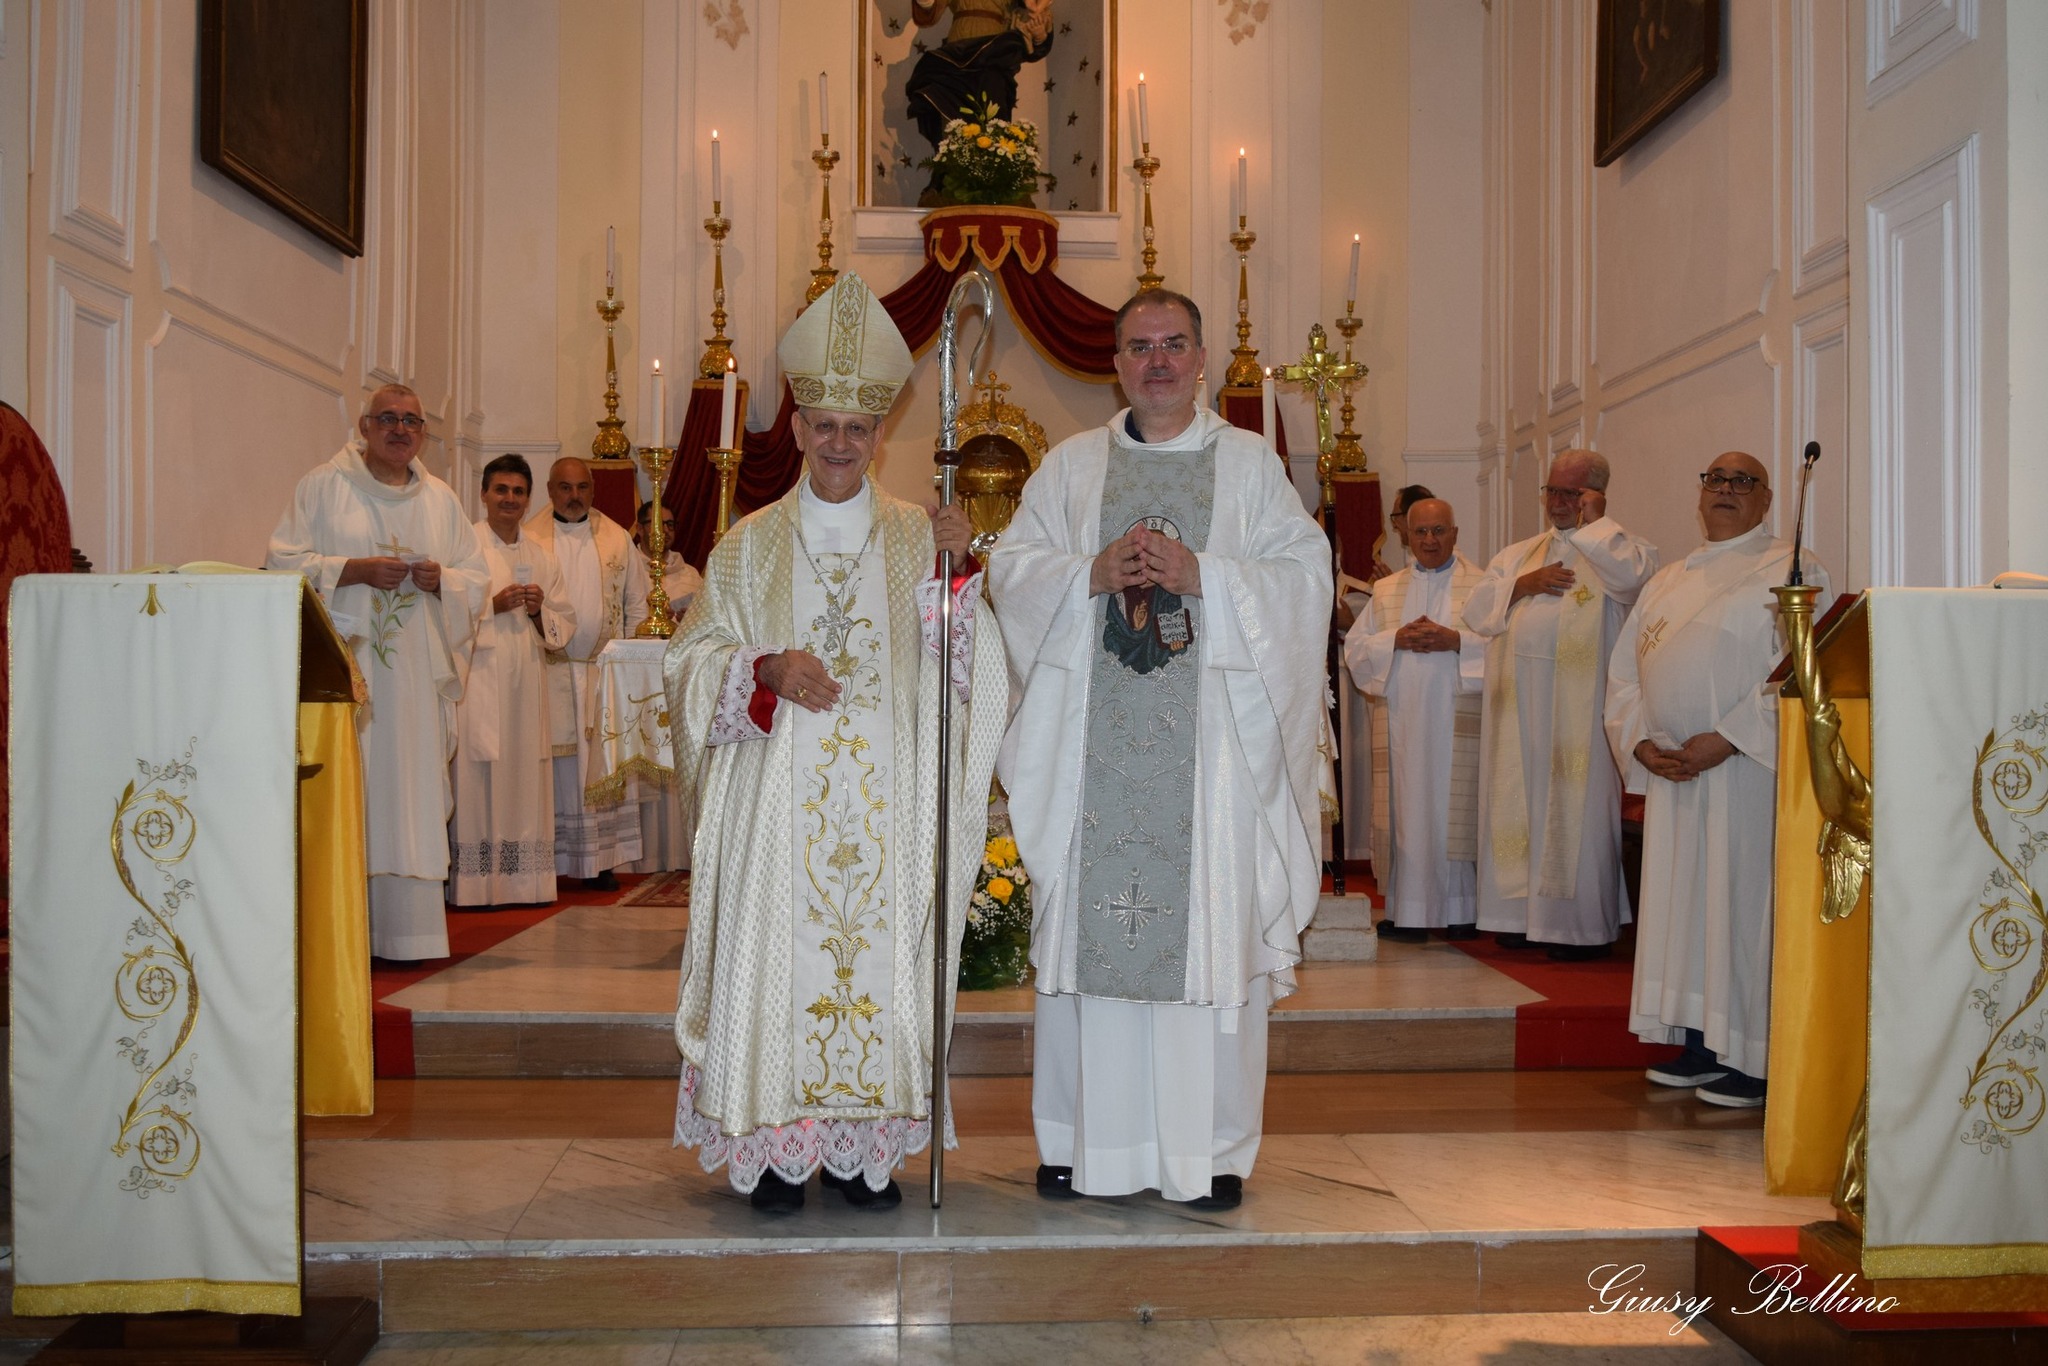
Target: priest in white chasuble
{"type": "Point", "coordinates": [1551, 608]}
{"type": "Point", "coordinates": [804, 690]}
{"type": "Point", "coordinates": [1696, 731]}
{"type": "Point", "coordinates": [1166, 600]}
{"type": "Point", "coordinates": [390, 550]}
{"type": "Point", "coordinates": [501, 839]}
{"type": "Point", "coordinates": [606, 580]}
{"type": "Point", "coordinates": [1423, 675]}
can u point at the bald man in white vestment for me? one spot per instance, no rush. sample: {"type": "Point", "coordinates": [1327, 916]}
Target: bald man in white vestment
{"type": "Point", "coordinates": [1551, 608]}
{"type": "Point", "coordinates": [1166, 600]}
{"type": "Point", "coordinates": [804, 684]}
{"type": "Point", "coordinates": [390, 550]}
{"type": "Point", "coordinates": [1423, 676]}
{"type": "Point", "coordinates": [1696, 732]}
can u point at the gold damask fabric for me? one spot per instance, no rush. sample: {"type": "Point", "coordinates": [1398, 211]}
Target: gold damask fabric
{"type": "Point", "coordinates": [334, 916]}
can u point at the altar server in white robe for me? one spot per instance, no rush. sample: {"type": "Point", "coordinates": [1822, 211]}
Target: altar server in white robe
{"type": "Point", "coordinates": [1551, 608]}
{"type": "Point", "coordinates": [607, 587]}
{"type": "Point", "coordinates": [390, 550]}
{"type": "Point", "coordinates": [1696, 732]}
{"type": "Point", "coordinates": [1166, 601]}
{"type": "Point", "coordinates": [664, 837]}
{"type": "Point", "coordinates": [1423, 676]}
{"type": "Point", "coordinates": [804, 684]}
{"type": "Point", "coordinates": [502, 837]}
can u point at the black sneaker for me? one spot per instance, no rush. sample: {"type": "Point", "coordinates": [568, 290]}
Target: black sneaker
{"type": "Point", "coordinates": [1403, 934]}
{"type": "Point", "coordinates": [1458, 934]}
{"type": "Point", "coordinates": [861, 1195]}
{"type": "Point", "coordinates": [1734, 1090]}
{"type": "Point", "coordinates": [773, 1195]}
{"type": "Point", "coordinates": [1057, 1183]}
{"type": "Point", "coordinates": [1508, 939]}
{"type": "Point", "coordinates": [1225, 1192]}
{"type": "Point", "coordinates": [1693, 1068]}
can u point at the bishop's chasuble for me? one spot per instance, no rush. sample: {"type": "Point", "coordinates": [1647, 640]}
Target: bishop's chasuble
{"type": "Point", "coordinates": [407, 644]}
{"type": "Point", "coordinates": [1164, 772]}
{"type": "Point", "coordinates": [1692, 658]}
{"type": "Point", "coordinates": [1550, 810]}
{"type": "Point", "coordinates": [805, 1013]}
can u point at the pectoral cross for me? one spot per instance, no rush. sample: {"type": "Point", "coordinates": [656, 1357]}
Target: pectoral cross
{"type": "Point", "coordinates": [393, 548]}
{"type": "Point", "coordinates": [1653, 636]}
{"type": "Point", "coordinates": [1319, 372]}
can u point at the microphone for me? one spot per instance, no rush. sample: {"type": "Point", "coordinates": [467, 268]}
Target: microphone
{"type": "Point", "coordinates": [1806, 464]}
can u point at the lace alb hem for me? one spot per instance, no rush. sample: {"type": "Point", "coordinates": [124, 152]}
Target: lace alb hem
{"type": "Point", "coordinates": [868, 1148]}
{"type": "Point", "coordinates": [730, 722]}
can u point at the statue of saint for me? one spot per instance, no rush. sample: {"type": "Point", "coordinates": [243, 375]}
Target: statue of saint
{"type": "Point", "coordinates": [986, 46]}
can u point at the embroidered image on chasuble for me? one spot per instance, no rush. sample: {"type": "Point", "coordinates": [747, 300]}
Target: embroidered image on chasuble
{"type": "Point", "coordinates": [1138, 800]}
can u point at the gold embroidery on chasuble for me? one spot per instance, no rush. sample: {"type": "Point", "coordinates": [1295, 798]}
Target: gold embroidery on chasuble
{"type": "Point", "coordinates": [389, 608]}
{"type": "Point", "coordinates": [1652, 637]}
{"type": "Point", "coordinates": [156, 984]}
{"type": "Point", "coordinates": [843, 972]}
{"type": "Point", "coordinates": [2004, 1098]}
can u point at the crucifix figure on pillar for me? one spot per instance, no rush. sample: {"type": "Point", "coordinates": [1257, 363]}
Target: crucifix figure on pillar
{"type": "Point", "coordinates": [1319, 372]}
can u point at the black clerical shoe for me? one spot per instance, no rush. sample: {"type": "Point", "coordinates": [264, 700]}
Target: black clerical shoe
{"type": "Point", "coordinates": [1057, 1183]}
{"type": "Point", "coordinates": [776, 1196]}
{"type": "Point", "coordinates": [603, 882]}
{"type": "Point", "coordinates": [1401, 934]}
{"type": "Point", "coordinates": [1225, 1192]}
{"type": "Point", "coordinates": [1458, 934]}
{"type": "Point", "coordinates": [1508, 939]}
{"type": "Point", "coordinates": [859, 1194]}
{"type": "Point", "coordinates": [1576, 953]}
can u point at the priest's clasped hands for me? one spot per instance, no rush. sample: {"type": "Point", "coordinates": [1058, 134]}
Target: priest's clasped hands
{"type": "Point", "coordinates": [388, 572]}
{"type": "Point", "coordinates": [517, 597]}
{"type": "Point", "coordinates": [1425, 637]}
{"type": "Point", "coordinates": [1708, 749]}
{"type": "Point", "coordinates": [1141, 558]}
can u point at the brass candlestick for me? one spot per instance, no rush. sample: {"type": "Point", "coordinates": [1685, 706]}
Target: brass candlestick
{"type": "Point", "coordinates": [1147, 166]}
{"type": "Point", "coordinates": [1349, 457]}
{"type": "Point", "coordinates": [1244, 372]}
{"type": "Point", "coordinates": [822, 275]}
{"type": "Point", "coordinates": [659, 624]}
{"type": "Point", "coordinates": [717, 346]}
{"type": "Point", "coordinates": [610, 442]}
{"type": "Point", "coordinates": [727, 461]}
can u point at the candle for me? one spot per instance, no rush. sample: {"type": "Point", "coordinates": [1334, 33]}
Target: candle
{"type": "Point", "coordinates": [1144, 115]}
{"type": "Point", "coordinates": [824, 112]}
{"type": "Point", "coordinates": [1244, 199]}
{"type": "Point", "coordinates": [1351, 285]}
{"type": "Point", "coordinates": [611, 257]}
{"type": "Point", "coordinates": [716, 192]}
{"type": "Point", "coordinates": [725, 405]}
{"type": "Point", "coordinates": [660, 408]}
{"type": "Point", "coordinates": [1267, 426]}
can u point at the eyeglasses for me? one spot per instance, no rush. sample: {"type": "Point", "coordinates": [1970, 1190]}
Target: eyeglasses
{"type": "Point", "coordinates": [1714, 481]}
{"type": "Point", "coordinates": [1433, 532]}
{"type": "Point", "coordinates": [856, 430]}
{"type": "Point", "coordinates": [412, 422]}
{"type": "Point", "coordinates": [1175, 347]}
{"type": "Point", "coordinates": [1559, 491]}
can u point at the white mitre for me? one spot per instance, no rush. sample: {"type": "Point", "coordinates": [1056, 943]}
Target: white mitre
{"type": "Point", "coordinates": [844, 353]}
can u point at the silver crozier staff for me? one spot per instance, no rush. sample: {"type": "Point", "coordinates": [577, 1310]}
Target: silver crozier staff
{"type": "Point", "coordinates": [975, 281]}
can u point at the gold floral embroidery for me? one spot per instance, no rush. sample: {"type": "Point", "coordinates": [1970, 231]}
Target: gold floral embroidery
{"type": "Point", "coordinates": [2009, 932]}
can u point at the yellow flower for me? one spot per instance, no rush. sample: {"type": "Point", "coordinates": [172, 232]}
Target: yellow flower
{"type": "Point", "coordinates": [1007, 145]}
{"type": "Point", "coordinates": [972, 130]}
{"type": "Point", "coordinates": [1002, 849]}
{"type": "Point", "coordinates": [984, 142]}
{"type": "Point", "coordinates": [1000, 889]}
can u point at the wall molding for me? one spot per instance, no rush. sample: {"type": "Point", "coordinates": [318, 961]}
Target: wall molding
{"type": "Point", "coordinates": [1820, 253]}
{"type": "Point", "coordinates": [1897, 54]}
{"type": "Point", "coordinates": [106, 231]}
{"type": "Point", "coordinates": [85, 312]}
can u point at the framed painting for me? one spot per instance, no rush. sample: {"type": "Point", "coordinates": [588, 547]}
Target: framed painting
{"type": "Point", "coordinates": [1050, 61]}
{"type": "Point", "coordinates": [282, 107]}
{"type": "Point", "coordinates": [1650, 57]}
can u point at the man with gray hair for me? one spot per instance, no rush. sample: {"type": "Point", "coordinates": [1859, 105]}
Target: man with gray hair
{"type": "Point", "coordinates": [391, 552]}
{"type": "Point", "coordinates": [1551, 608]}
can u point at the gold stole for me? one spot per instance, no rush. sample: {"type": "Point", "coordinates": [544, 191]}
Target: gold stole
{"type": "Point", "coordinates": [1581, 616]}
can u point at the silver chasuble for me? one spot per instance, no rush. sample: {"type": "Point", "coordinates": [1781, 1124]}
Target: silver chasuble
{"type": "Point", "coordinates": [841, 998]}
{"type": "Point", "coordinates": [1138, 795]}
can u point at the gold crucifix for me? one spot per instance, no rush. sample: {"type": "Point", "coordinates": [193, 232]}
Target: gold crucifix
{"type": "Point", "coordinates": [1318, 372]}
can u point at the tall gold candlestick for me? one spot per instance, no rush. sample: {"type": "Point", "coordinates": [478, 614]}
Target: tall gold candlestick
{"type": "Point", "coordinates": [823, 274]}
{"type": "Point", "coordinates": [1244, 372]}
{"type": "Point", "coordinates": [717, 346]}
{"type": "Point", "coordinates": [1349, 455]}
{"type": "Point", "coordinates": [727, 461]}
{"type": "Point", "coordinates": [660, 625]}
{"type": "Point", "coordinates": [610, 441]}
{"type": "Point", "coordinates": [1147, 166]}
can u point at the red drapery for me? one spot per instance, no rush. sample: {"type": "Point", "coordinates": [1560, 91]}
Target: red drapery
{"type": "Point", "coordinates": [1243, 408]}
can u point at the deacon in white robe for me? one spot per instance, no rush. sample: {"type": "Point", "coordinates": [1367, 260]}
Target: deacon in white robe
{"type": "Point", "coordinates": [1696, 732]}
{"type": "Point", "coordinates": [1423, 676]}
{"type": "Point", "coordinates": [664, 833]}
{"type": "Point", "coordinates": [1551, 608]}
{"type": "Point", "coordinates": [1167, 601]}
{"type": "Point", "coordinates": [606, 580]}
{"type": "Point", "coordinates": [804, 687]}
{"type": "Point", "coordinates": [390, 550]}
{"type": "Point", "coordinates": [501, 840]}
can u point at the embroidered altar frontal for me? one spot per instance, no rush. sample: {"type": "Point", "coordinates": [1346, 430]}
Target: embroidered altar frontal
{"type": "Point", "coordinates": [1959, 760]}
{"type": "Point", "coordinates": [154, 775]}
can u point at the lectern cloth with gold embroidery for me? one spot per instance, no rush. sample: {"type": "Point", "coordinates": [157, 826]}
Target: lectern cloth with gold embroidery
{"type": "Point", "coordinates": [154, 937]}
{"type": "Point", "coordinates": [1958, 1017]}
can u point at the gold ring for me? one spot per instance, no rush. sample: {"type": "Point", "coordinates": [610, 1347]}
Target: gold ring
{"type": "Point", "coordinates": [800, 693]}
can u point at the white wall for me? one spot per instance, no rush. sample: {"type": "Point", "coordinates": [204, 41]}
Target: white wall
{"type": "Point", "coordinates": [191, 352]}
{"type": "Point", "coordinates": [15, 66]}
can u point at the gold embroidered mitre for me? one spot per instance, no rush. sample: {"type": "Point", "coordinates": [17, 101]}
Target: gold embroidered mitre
{"type": "Point", "coordinates": [845, 353]}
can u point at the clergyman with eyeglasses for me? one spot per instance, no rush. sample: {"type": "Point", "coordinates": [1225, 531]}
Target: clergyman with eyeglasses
{"type": "Point", "coordinates": [392, 553]}
{"type": "Point", "coordinates": [804, 690]}
{"type": "Point", "coordinates": [1167, 599]}
{"type": "Point", "coordinates": [1696, 731]}
{"type": "Point", "coordinates": [1551, 608]}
